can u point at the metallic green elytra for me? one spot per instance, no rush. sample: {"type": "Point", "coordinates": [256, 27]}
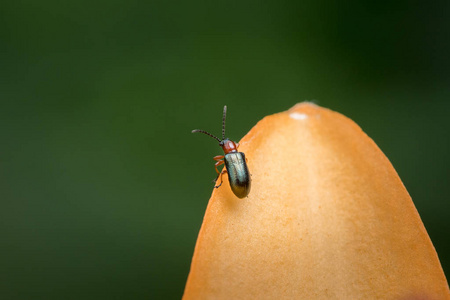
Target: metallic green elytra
{"type": "Point", "coordinates": [238, 174]}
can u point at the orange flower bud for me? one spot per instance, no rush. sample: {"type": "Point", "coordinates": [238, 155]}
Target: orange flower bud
{"type": "Point", "coordinates": [327, 217]}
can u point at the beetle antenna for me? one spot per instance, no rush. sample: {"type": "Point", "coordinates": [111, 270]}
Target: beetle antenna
{"type": "Point", "coordinates": [207, 133]}
{"type": "Point", "coordinates": [223, 121]}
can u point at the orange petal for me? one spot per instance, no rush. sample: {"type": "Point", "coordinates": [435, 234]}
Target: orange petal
{"type": "Point", "coordinates": [327, 217]}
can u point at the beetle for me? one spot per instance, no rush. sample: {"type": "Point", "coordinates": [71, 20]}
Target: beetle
{"type": "Point", "coordinates": [235, 163]}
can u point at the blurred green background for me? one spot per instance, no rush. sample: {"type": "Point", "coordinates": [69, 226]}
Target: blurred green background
{"type": "Point", "coordinates": [103, 187]}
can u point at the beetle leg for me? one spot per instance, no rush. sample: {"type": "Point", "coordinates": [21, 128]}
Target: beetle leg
{"type": "Point", "coordinates": [218, 157]}
{"type": "Point", "coordinates": [221, 181]}
{"type": "Point", "coordinates": [218, 163]}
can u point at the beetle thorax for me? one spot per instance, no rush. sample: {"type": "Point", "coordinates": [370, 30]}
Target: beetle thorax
{"type": "Point", "coordinates": [228, 146]}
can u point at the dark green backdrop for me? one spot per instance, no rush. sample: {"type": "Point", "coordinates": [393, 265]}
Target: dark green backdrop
{"type": "Point", "coordinates": [103, 187]}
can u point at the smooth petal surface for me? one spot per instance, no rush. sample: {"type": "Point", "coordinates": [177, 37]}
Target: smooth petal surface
{"type": "Point", "coordinates": [327, 218]}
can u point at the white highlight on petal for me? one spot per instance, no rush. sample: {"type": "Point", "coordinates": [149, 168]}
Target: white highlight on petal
{"type": "Point", "coordinates": [298, 116]}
